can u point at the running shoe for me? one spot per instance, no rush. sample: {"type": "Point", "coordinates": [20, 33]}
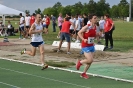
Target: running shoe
{"type": "Point", "coordinates": [78, 65]}
{"type": "Point", "coordinates": [23, 51]}
{"type": "Point", "coordinates": [58, 51]}
{"type": "Point", "coordinates": [45, 66]}
{"type": "Point", "coordinates": [68, 53]}
{"type": "Point", "coordinates": [84, 75]}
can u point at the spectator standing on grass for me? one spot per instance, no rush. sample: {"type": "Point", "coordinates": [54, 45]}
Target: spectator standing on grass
{"type": "Point", "coordinates": [65, 34]}
{"type": "Point", "coordinates": [77, 28]}
{"type": "Point", "coordinates": [87, 34]}
{"type": "Point", "coordinates": [21, 26]}
{"type": "Point", "coordinates": [101, 25]}
{"type": "Point", "coordinates": [47, 23]}
{"type": "Point", "coordinates": [53, 23]}
{"type": "Point", "coordinates": [85, 20]}
{"type": "Point", "coordinates": [60, 21]}
{"type": "Point", "coordinates": [72, 27]}
{"type": "Point", "coordinates": [27, 24]}
{"type": "Point", "coordinates": [108, 29]}
{"type": "Point", "coordinates": [32, 19]}
{"type": "Point", "coordinates": [37, 40]}
{"type": "Point", "coordinates": [44, 22]}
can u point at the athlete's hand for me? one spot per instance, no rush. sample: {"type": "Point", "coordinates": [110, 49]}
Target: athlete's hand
{"type": "Point", "coordinates": [85, 40]}
{"type": "Point", "coordinates": [39, 31]}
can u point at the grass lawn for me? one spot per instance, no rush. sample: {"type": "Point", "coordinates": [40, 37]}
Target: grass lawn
{"type": "Point", "coordinates": [123, 39]}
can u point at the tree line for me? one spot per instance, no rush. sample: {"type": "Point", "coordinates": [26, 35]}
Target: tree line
{"type": "Point", "coordinates": [100, 8]}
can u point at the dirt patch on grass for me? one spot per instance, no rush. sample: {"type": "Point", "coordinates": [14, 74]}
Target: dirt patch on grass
{"type": "Point", "coordinates": [13, 52]}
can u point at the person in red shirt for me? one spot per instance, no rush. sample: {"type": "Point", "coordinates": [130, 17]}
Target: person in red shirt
{"type": "Point", "coordinates": [32, 19]}
{"type": "Point", "coordinates": [87, 34]}
{"type": "Point", "coordinates": [65, 34]}
{"type": "Point", "coordinates": [108, 29]}
{"type": "Point", "coordinates": [47, 22]}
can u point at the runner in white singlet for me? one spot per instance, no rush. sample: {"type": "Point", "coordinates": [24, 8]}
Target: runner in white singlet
{"type": "Point", "coordinates": [37, 40]}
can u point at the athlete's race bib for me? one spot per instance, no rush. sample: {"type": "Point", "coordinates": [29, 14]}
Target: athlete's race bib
{"type": "Point", "coordinates": [90, 40]}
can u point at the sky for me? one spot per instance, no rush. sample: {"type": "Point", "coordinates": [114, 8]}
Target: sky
{"type": "Point", "coordinates": [32, 5]}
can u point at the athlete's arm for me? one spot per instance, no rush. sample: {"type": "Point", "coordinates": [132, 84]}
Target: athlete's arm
{"type": "Point", "coordinates": [33, 31]}
{"type": "Point", "coordinates": [80, 33]}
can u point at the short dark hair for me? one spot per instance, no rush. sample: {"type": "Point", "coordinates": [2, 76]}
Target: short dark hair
{"type": "Point", "coordinates": [76, 16]}
{"type": "Point", "coordinates": [66, 19]}
{"type": "Point", "coordinates": [107, 15]}
{"type": "Point", "coordinates": [91, 16]}
{"type": "Point", "coordinates": [34, 14]}
{"type": "Point", "coordinates": [85, 14]}
{"type": "Point", "coordinates": [20, 14]}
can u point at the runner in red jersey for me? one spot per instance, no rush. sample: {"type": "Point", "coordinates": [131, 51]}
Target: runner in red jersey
{"type": "Point", "coordinates": [87, 34]}
{"type": "Point", "coordinates": [32, 19]}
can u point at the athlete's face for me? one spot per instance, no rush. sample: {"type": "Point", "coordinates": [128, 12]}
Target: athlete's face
{"type": "Point", "coordinates": [94, 19]}
{"type": "Point", "coordinates": [105, 17]}
{"type": "Point", "coordinates": [38, 18]}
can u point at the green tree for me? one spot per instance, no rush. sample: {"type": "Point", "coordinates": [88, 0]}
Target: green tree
{"type": "Point", "coordinates": [27, 11]}
{"type": "Point", "coordinates": [38, 11]}
{"type": "Point", "coordinates": [57, 5]}
{"type": "Point", "coordinates": [102, 7]}
{"type": "Point", "coordinates": [114, 11]}
{"type": "Point", "coordinates": [49, 11]}
{"type": "Point", "coordinates": [123, 8]}
{"type": "Point", "coordinates": [92, 7]}
{"type": "Point", "coordinates": [77, 8]}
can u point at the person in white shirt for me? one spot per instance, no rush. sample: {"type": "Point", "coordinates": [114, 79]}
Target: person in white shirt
{"type": "Point", "coordinates": [44, 22]}
{"type": "Point", "coordinates": [101, 25]}
{"type": "Point", "coordinates": [77, 29]}
{"type": "Point", "coordinates": [72, 27]}
{"type": "Point", "coordinates": [27, 24]}
{"type": "Point", "coordinates": [37, 40]}
{"type": "Point", "coordinates": [21, 26]}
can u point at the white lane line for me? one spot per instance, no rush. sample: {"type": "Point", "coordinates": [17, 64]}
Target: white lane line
{"type": "Point", "coordinates": [45, 78]}
{"type": "Point", "coordinates": [9, 85]}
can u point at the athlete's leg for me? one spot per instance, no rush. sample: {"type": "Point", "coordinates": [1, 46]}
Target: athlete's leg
{"type": "Point", "coordinates": [41, 48]}
{"type": "Point", "coordinates": [88, 61]}
{"type": "Point", "coordinates": [32, 52]}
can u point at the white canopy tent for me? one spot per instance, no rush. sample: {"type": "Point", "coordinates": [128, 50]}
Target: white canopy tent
{"type": "Point", "coordinates": [6, 11]}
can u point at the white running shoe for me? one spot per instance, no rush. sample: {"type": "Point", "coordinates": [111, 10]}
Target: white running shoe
{"type": "Point", "coordinates": [77, 41]}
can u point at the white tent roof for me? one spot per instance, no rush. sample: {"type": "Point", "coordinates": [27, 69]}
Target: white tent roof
{"type": "Point", "coordinates": [6, 11]}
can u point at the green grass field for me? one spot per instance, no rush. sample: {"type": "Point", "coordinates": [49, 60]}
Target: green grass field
{"type": "Point", "coordinates": [18, 75]}
{"type": "Point", "coordinates": [123, 39]}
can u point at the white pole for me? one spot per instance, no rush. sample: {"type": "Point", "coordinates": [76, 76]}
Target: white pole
{"type": "Point", "coordinates": [3, 17]}
{"type": "Point", "coordinates": [130, 9]}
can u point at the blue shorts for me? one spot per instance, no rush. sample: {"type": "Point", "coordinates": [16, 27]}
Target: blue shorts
{"type": "Point", "coordinates": [36, 44]}
{"type": "Point", "coordinates": [64, 36]}
{"type": "Point", "coordinates": [21, 28]}
{"type": "Point", "coordinates": [88, 49]}
{"type": "Point", "coordinates": [44, 25]}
